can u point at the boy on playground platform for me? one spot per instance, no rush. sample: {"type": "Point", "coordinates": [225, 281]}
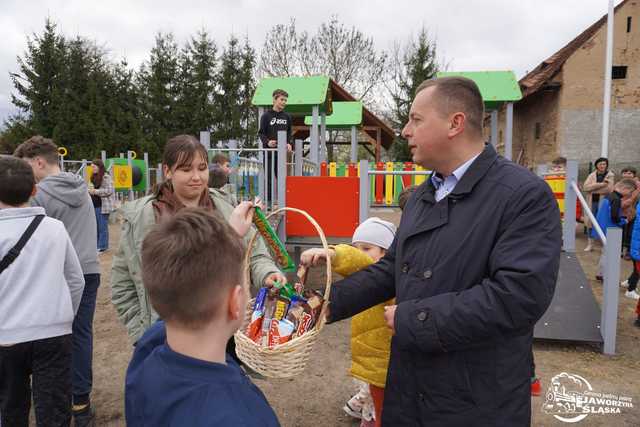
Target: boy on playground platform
{"type": "Point", "coordinates": [180, 375]}
{"type": "Point", "coordinates": [610, 213]}
{"type": "Point", "coordinates": [40, 290]}
{"type": "Point", "coordinates": [370, 336]}
{"type": "Point", "coordinates": [219, 172]}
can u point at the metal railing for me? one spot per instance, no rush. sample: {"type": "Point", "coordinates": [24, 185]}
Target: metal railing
{"type": "Point", "coordinates": [612, 245]}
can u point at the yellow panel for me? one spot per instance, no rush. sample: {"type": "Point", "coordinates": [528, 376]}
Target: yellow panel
{"type": "Point", "coordinates": [388, 187]}
{"type": "Point", "coordinates": [332, 169]}
{"type": "Point", "coordinates": [122, 176]}
{"type": "Point", "coordinates": [420, 178]}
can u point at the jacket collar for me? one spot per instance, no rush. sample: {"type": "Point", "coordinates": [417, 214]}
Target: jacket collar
{"type": "Point", "coordinates": [11, 213]}
{"type": "Point", "coordinates": [476, 171]}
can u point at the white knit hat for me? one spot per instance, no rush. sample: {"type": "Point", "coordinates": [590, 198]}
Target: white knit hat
{"type": "Point", "coordinates": [375, 231]}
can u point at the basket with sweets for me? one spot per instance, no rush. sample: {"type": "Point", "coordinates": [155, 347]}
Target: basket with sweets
{"type": "Point", "coordinates": [282, 323]}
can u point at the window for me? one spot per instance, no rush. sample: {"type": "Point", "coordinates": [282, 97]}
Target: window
{"type": "Point", "coordinates": [619, 72]}
{"type": "Point", "coordinates": [628, 24]}
{"type": "Point", "coordinates": [538, 130]}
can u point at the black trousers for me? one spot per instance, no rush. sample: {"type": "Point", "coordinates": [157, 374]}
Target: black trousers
{"type": "Point", "coordinates": [44, 365]}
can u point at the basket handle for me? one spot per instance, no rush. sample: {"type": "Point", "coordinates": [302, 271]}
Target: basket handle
{"type": "Point", "coordinates": [325, 245]}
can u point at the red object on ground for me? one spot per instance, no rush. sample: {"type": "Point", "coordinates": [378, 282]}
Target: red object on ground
{"type": "Point", "coordinates": [536, 388]}
{"type": "Point", "coordinates": [332, 201]}
{"type": "Point", "coordinates": [323, 169]}
{"type": "Point", "coordinates": [377, 395]}
{"type": "Point", "coordinates": [379, 183]}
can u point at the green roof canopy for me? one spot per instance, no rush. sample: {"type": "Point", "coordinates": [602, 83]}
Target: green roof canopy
{"type": "Point", "coordinates": [496, 87]}
{"type": "Point", "coordinates": [304, 93]}
{"type": "Point", "coordinates": [345, 114]}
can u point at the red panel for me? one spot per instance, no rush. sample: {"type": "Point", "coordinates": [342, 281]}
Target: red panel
{"type": "Point", "coordinates": [406, 179]}
{"type": "Point", "coordinates": [323, 169]}
{"type": "Point", "coordinates": [332, 201]}
{"type": "Point", "coordinates": [353, 169]}
{"type": "Point", "coordinates": [379, 183]}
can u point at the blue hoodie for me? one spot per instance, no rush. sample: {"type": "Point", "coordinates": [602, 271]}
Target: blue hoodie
{"type": "Point", "coordinates": [609, 214]}
{"type": "Point", "coordinates": [165, 388]}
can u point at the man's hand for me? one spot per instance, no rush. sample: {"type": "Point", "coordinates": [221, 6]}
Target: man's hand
{"type": "Point", "coordinates": [316, 256]}
{"type": "Point", "coordinates": [271, 279]}
{"type": "Point", "coordinates": [389, 316]}
{"type": "Point", "coordinates": [289, 148]}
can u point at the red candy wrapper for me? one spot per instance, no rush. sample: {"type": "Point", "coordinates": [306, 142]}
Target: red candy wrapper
{"type": "Point", "coordinates": [280, 332]}
{"type": "Point", "coordinates": [254, 330]}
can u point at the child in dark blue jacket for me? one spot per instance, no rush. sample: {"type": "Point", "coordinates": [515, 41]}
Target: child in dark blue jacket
{"type": "Point", "coordinates": [179, 374]}
{"type": "Point", "coordinates": [610, 213]}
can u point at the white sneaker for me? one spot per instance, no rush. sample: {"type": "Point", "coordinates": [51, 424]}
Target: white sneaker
{"type": "Point", "coordinates": [354, 407]}
{"type": "Point", "coordinates": [632, 295]}
{"type": "Point", "coordinates": [624, 284]}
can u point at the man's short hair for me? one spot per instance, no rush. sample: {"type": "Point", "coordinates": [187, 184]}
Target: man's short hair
{"type": "Point", "coordinates": [188, 263]}
{"type": "Point", "coordinates": [220, 159]}
{"type": "Point", "coordinates": [16, 181]}
{"type": "Point", "coordinates": [628, 183]}
{"type": "Point", "coordinates": [38, 146]}
{"type": "Point", "coordinates": [280, 92]}
{"type": "Point", "coordinates": [630, 169]}
{"type": "Point", "coordinates": [559, 161]}
{"type": "Point", "coordinates": [458, 94]}
{"type": "Point", "coordinates": [405, 195]}
{"type": "Point", "coordinates": [217, 177]}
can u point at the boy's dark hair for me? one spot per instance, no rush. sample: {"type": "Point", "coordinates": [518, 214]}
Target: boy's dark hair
{"type": "Point", "coordinates": [280, 92]}
{"type": "Point", "coordinates": [405, 195]}
{"type": "Point", "coordinates": [188, 263]}
{"type": "Point", "coordinates": [630, 169]}
{"type": "Point", "coordinates": [38, 146]}
{"type": "Point", "coordinates": [220, 159]}
{"type": "Point", "coordinates": [16, 181]}
{"type": "Point", "coordinates": [559, 161]}
{"type": "Point", "coordinates": [457, 94]}
{"type": "Point", "coordinates": [217, 177]}
{"type": "Point", "coordinates": [628, 183]}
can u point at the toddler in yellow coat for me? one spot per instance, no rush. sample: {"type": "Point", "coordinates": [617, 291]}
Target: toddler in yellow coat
{"type": "Point", "coordinates": [370, 336]}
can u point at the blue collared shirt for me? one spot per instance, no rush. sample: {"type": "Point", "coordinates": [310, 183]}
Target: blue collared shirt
{"type": "Point", "coordinates": [445, 185]}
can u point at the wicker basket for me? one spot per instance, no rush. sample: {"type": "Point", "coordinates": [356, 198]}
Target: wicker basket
{"type": "Point", "coordinates": [288, 359]}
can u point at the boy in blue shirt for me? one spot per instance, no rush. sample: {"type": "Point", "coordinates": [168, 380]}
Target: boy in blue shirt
{"type": "Point", "coordinates": [180, 374]}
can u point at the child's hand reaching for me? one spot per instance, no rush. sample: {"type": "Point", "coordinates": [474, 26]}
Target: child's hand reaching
{"type": "Point", "coordinates": [316, 256]}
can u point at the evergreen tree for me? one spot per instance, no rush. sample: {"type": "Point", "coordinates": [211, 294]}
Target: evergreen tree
{"type": "Point", "coordinates": [411, 65]}
{"type": "Point", "coordinates": [248, 113]}
{"type": "Point", "coordinates": [39, 81]}
{"type": "Point", "coordinates": [196, 110]}
{"type": "Point", "coordinates": [229, 93]}
{"type": "Point", "coordinates": [158, 81]}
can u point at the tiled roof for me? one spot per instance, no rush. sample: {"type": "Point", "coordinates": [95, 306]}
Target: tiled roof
{"type": "Point", "coordinates": [543, 73]}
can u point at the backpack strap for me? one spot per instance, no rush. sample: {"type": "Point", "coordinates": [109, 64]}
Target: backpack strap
{"type": "Point", "coordinates": [15, 251]}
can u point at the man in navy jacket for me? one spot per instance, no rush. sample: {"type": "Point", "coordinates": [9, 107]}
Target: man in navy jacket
{"type": "Point", "coordinates": [473, 267]}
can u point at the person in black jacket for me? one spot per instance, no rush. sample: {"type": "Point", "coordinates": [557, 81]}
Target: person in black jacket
{"type": "Point", "coordinates": [271, 122]}
{"type": "Point", "coordinates": [473, 267]}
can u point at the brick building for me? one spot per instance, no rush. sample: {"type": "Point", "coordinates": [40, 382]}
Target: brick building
{"type": "Point", "coordinates": [560, 113]}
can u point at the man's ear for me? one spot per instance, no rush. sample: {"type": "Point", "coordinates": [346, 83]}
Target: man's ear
{"type": "Point", "coordinates": [236, 307]}
{"type": "Point", "coordinates": [34, 190]}
{"type": "Point", "coordinates": [457, 123]}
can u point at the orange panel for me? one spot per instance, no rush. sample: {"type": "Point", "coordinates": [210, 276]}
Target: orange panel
{"type": "Point", "coordinates": [332, 201]}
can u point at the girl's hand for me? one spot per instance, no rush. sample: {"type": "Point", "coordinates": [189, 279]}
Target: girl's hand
{"type": "Point", "coordinates": [316, 256]}
{"type": "Point", "coordinates": [241, 218]}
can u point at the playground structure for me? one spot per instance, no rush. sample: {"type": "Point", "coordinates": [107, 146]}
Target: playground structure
{"type": "Point", "coordinates": [132, 177]}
